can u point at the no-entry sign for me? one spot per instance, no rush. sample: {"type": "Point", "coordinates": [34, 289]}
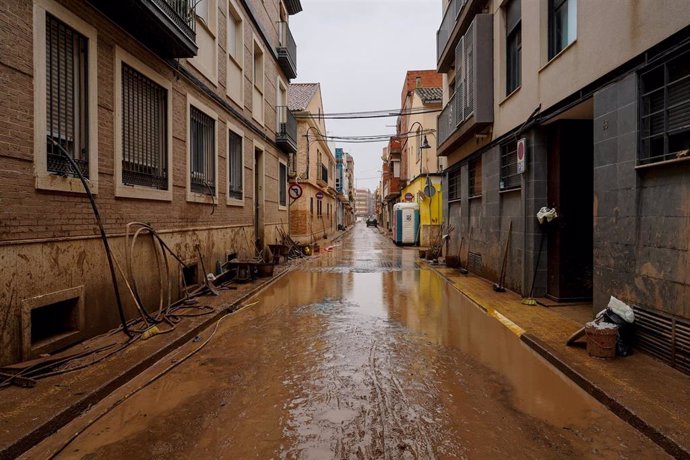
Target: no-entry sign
{"type": "Point", "coordinates": [295, 191]}
{"type": "Point", "coordinates": [409, 196]}
{"type": "Point", "coordinates": [319, 195]}
{"type": "Point", "coordinates": [521, 155]}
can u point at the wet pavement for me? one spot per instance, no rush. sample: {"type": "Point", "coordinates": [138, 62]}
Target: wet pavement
{"type": "Point", "coordinates": [358, 354]}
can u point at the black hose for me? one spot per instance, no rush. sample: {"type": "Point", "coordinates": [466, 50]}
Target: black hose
{"type": "Point", "coordinates": [108, 252]}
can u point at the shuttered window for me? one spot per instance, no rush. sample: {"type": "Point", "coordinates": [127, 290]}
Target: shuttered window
{"type": "Point", "coordinates": [202, 152]}
{"type": "Point", "coordinates": [665, 111]}
{"type": "Point", "coordinates": [66, 97]}
{"type": "Point", "coordinates": [454, 190]}
{"type": "Point", "coordinates": [144, 131]}
{"type": "Point", "coordinates": [235, 161]}
{"type": "Point", "coordinates": [283, 185]}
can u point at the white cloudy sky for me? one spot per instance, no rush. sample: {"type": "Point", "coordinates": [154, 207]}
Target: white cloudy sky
{"type": "Point", "coordinates": [359, 50]}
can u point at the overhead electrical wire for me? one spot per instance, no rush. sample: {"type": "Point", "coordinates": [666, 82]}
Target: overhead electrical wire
{"type": "Point", "coordinates": [360, 115]}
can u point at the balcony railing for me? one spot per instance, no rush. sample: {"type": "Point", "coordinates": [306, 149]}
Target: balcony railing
{"type": "Point", "coordinates": [286, 129]}
{"type": "Point", "coordinates": [166, 26]}
{"type": "Point", "coordinates": [447, 121]}
{"type": "Point", "coordinates": [447, 24]}
{"type": "Point", "coordinates": [287, 50]}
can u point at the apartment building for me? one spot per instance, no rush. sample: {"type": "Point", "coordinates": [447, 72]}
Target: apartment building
{"type": "Point", "coordinates": [313, 215]}
{"type": "Point", "coordinates": [363, 202]}
{"type": "Point", "coordinates": [344, 166]}
{"type": "Point", "coordinates": [174, 112]}
{"type": "Point", "coordinates": [581, 106]}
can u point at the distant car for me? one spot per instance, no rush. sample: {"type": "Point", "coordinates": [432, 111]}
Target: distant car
{"type": "Point", "coordinates": [371, 221]}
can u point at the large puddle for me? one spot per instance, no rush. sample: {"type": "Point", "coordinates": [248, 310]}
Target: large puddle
{"type": "Point", "coordinates": [361, 355]}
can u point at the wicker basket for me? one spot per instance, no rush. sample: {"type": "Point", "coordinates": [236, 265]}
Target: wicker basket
{"type": "Point", "coordinates": [601, 341]}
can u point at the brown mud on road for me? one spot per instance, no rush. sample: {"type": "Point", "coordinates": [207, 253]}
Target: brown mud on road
{"type": "Point", "coordinates": [361, 355]}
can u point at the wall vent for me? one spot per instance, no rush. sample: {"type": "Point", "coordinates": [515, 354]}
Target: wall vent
{"type": "Point", "coordinates": [664, 336]}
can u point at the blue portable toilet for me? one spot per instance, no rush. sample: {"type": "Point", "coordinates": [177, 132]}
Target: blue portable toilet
{"type": "Point", "coordinates": [405, 223]}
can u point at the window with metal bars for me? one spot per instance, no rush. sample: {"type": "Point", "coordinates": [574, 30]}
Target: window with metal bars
{"type": "Point", "coordinates": [282, 194]}
{"type": "Point", "coordinates": [235, 165]}
{"type": "Point", "coordinates": [66, 98]}
{"type": "Point", "coordinates": [510, 179]}
{"type": "Point", "coordinates": [202, 152]}
{"type": "Point", "coordinates": [454, 190]}
{"type": "Point", "coordinates": [475, 177]}
{"type": "Point", "coordinates": [513, 45]}
{"type": "Point", "coordinates": [665, 110]}
{"type": "Point", "coordinates": [144, 131]}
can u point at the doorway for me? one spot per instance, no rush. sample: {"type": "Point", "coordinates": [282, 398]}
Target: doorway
{"type": "Point", "coordinates": [570, 191]}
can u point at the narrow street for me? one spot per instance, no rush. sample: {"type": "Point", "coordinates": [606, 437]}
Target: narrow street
{"type": "Point", "coordinates": [359, 353]}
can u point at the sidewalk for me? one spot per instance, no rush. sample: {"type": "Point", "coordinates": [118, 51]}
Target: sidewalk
{"type": "Point", "coordinates": [648, 394]}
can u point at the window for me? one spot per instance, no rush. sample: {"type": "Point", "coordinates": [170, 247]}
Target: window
{"type": "Point", "coordinates": [311, 206]}
{"type": "Point", "coordinates": [464, 75]}
{"type": "Point", "coordinates": [513, 45]}
{"type": "Point", "coordinates": [235, 166]}
{"type": "Point", "coordinates": [206, 59]}
{"type": "Point", "coordinates": [65, 103]}
{"type": "Point", "coordinates": [282, 185]}
{"type": "Point", "coordinates": [510, 179]}
{"type": "Point", "coordinates": [235, 59]}
{"type": "Point", "coordinates": [562, 25]}
{"type": "Point", "coordinates": [144, 131]}
{"type": "Point", "coordinates": [454, 185]}
{"type": "Point", "coordinates": [203, 10]}
{"type": "Point", "coordinates": [665, 110]}
{"type": "Point", "coordinates": [202, 154]}
{"type": "Point", "coordinates": [475, 177]}
{"type": "Point", "coordinates": [67, 94]}
{"type": "Point", "coordinates": [258, 79]}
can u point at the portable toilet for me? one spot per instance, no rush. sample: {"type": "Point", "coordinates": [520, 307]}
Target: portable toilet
{"type": "Point", "coordinates": [405, 223]}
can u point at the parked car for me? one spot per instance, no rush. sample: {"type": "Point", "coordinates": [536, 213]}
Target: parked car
{"type": "Point", "coordinates": [371, 221]}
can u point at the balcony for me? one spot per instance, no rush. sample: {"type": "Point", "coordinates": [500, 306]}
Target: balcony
{"type": "Point", "coordinates": [286, 130]}
{"type": "Point", "coordinates": [471, 108]}
{"type": "Point", "coordinates": [456, 20]}
{"type": "Point", "coordinates": [165, 26]}
{"type": "Point", "coordinates": [287, 50]}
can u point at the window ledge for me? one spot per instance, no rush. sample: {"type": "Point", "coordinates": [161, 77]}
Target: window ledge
{"type": "Point", "coordinates": [142, 193]}
{"type": "Point", "coordinates": [194, 197]}
{"type": "Point", "coordinates": [234, 202]}
{"type": "Point", "coordinates": [509, 96]}
{"type": "Point", "coordinates": [663, 163]}
{"type": "Point", "coordinates": [560, 53]}
{"type": "Point", "coordinates": [57, 183]}
{"type": "Point", "coordinates": [475, 197]}
{"type": "Point", "coordinates": [282, 207]}
{"type": "Point", "coordinates": [509, 190]}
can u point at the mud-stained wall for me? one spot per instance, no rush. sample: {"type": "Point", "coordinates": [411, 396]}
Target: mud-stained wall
{"type": "Point", "coordinates": [40, 268]}
{"type": "Point", "coordinates": [641, 216]}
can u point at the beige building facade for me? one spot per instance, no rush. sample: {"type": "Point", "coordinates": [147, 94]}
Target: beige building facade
{"type": "Point", "coordinates": [581, 106]}
{"type": "Point", "coordinates": [176, 118]}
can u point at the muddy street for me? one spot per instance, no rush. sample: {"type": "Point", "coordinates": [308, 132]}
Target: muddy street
{"type": "Point", "coordinates": [359, 353]}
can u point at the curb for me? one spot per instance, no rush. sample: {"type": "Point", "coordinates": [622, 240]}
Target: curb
{"type": "Point", "coordinates": [43, 431]}
{"type": "Point", "coordinates": [611, 403]}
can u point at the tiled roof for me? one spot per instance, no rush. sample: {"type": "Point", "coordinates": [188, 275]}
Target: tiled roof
{"type": "Point", "coordinates": [430, 95]}
{"type": "Point", "coordinates": [300, 94]}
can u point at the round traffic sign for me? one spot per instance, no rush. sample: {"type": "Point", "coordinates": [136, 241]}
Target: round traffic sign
{"type": "Point", "coordinates": [521, 151]}
{"type": "Point", "coordinates": [319, 195]}
{"type": "Point", "coordinates": [295, 191]}
{"type": "Point", "coordinates": [409, 196]}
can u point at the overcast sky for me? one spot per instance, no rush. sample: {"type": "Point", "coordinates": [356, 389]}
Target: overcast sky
{"type": "Point", "coordinates": [359, 50]}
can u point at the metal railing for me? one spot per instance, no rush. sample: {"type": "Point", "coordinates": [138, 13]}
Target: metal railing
{"type": "Point", "coordinates": [286, 125]}
{"type": "Point", "coordinates": [287, 44]}
{"type": "Point", "coordinates": [447, 121]}
{"type": "Point", "coordinates": [181, 12]}
{"type": "Point", "coordinates": [447, 24]}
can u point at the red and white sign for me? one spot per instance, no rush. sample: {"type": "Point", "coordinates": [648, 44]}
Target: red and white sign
{"type": "Point", "coordinates": [409, 196]}
{"type": "Point", "coordinates": [295, 191]}
{"type": "Point", "coordinates": [319, 195]}
{"type": "Point", "coordinates": [522, 156]}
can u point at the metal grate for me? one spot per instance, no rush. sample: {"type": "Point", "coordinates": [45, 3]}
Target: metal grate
{"type": "Point", "coordinates": [202, 152]}
{"type": "Point", "coordinates": [66, 97]}
{"type": "Point", "coordinates": [474, 262]}
{"type": "Point", "coordinates": [510, 179]}
{"type": "Point", "coordinates": [664, 336]}
{"type": "Point", "coordinates": [144, 131]}
{"type": "Point", "coordinates": [454, 189]}
{"type": "Point", "coordinates": [665, 110]}
{"type": "Point", "coordinates": [235, 161]}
